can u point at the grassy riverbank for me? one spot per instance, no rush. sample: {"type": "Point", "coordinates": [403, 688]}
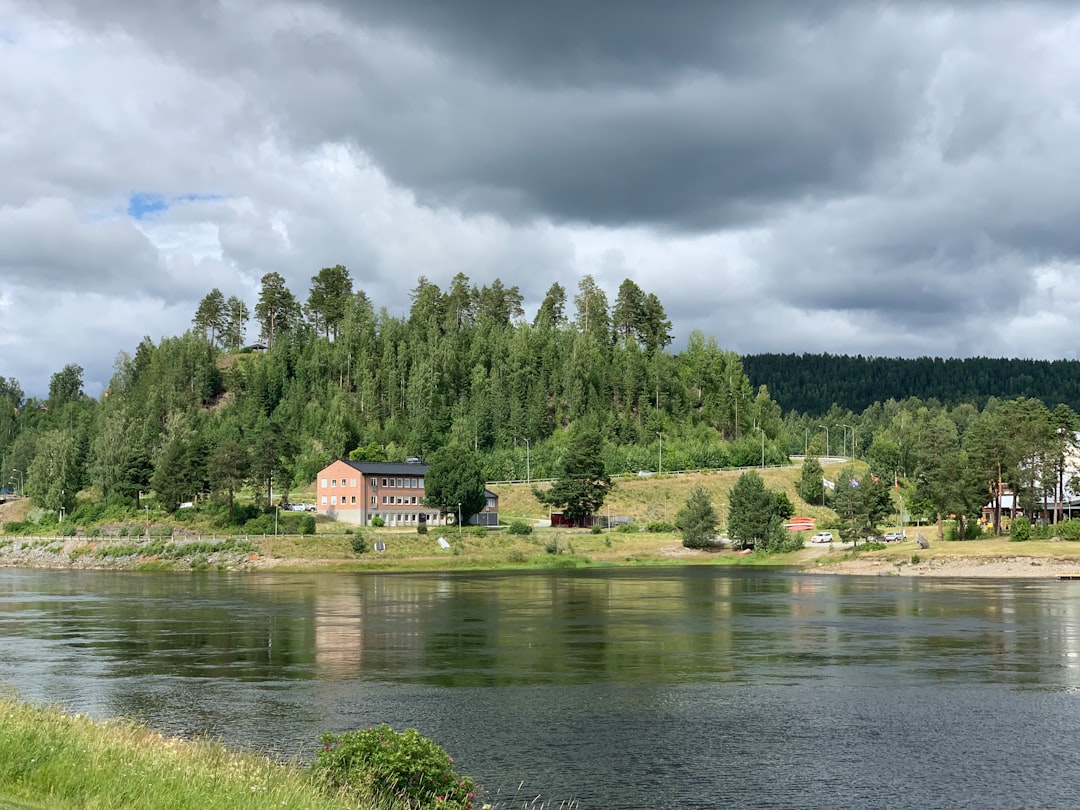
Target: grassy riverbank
{"type": "Point", "coordinates": [49, 759]}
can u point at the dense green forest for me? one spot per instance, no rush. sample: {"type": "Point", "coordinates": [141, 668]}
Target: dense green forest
{"type": "Point", "coordinates": [333, 377]}
{"type": "Point", "coordinates": [813, 383]}
{"type": "Point", "coordinates": [201, 415]}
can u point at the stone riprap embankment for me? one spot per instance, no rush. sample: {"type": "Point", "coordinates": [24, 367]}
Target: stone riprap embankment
{"type": "Point", "coordinates": [127, 553]}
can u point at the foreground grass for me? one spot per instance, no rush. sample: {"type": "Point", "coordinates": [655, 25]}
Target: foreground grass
{"type": "Point", "coordinates": [52, 760]}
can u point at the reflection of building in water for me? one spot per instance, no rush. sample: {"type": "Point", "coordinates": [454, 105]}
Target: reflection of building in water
{"type": "Point", "coordinates": [339, 636]}
{"type": "Point", "coordinates": [370, 625]}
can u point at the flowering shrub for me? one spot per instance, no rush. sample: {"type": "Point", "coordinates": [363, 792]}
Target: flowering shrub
{"type": "Point", "coordinates": [404, 765]}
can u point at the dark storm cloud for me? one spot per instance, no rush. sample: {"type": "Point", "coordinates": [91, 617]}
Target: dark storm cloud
{"type": "Point", "coordinates": [791, 176]}
{"type": "Point", "coordinates": [697, 115]}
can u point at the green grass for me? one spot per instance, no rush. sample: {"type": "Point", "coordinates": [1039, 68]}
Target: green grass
{"type": "Point", "coordinates": [49, 759]}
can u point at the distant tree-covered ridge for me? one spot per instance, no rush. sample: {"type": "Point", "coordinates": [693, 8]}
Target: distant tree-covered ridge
{"type": "Point", "coordinates": [813, 383]}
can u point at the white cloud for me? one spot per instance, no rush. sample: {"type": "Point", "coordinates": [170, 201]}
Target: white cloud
{"type": "Point", "coordinates": [892, 179]}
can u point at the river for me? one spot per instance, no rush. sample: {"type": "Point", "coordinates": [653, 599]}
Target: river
{"type": "Point", "coordinates": [618, 688]}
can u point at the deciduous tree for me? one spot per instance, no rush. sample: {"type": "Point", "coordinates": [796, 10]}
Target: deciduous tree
{"type": "Point", "coordinates": [455, 480]}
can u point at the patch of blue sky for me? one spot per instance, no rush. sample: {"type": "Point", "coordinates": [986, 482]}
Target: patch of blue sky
{"type": "Point", "coordinates": [145, 204]}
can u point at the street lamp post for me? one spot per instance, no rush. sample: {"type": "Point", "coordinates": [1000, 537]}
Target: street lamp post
{"type": "Point", "coordinates": [762, 432]}
{"type": "Point", "coordinates": [146, 524]}
{"type": "Point", "coordinates": [459, 519]}
{"type": "Point", "coordinates": [660, 460]}
{"type": "Point", "coordinates": [846, 429]}
{"type": "Point", "coordinates": [826, 429]}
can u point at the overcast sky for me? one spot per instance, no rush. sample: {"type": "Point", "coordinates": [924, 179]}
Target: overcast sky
{"type": "Point", "coordinates": [896, 179]}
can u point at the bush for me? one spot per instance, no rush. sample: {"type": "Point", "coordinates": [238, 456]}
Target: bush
{"type": "Point", "coordinates": [1021, 529]}
{"type": "Point", "coordinates": [659, 527]}
{"type": "Point", "coordinates": [872, 545]}
{"type": "Point", "coordinates": [378, 522]}
{"type": "Point", "coordinates": [359, 543]}
{"type": "Point", "coordinates": [520, 527]}
{"type": "Point", "coordinates": [915, 559]}
{"type": "Point", "coordinates": [516, 555]}
{"type": "Point", "coordinates": [382, 762]}
{"type": "Point", "coordinates": [626, 528]}
{"type": "Point", "coordinates": [597, 529]}
{"type": "Point", "coordinates": [950, 530]}
{"type": "Point", "coordinates": [421, 528]}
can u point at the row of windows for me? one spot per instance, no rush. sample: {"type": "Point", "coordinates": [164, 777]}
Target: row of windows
{"type": "Point", "coordinates": [396, 518]}
{"type": "Point", "coordinates": [402, 500]}
{"type": "Point", "coordinates": [399, 483]}
{"type": "Point", "coordinates": [334, 500]}
{"type": "Point", "coordinates": [334, 483]}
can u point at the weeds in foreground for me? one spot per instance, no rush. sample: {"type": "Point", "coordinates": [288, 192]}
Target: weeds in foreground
{"type": "Point", "coordinates": [52, 759]}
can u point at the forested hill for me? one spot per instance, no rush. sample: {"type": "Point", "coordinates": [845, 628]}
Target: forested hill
{"type": "Point", "coordinates": [813, 383]}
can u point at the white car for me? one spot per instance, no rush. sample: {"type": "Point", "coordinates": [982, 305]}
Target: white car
{"type": "Point", "coordinates": [822, 537]}
{"type": "Point", "coordinates": [893, 537]}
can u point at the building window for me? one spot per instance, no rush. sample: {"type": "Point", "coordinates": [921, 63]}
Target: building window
{"type": "Point", "coordinates": [324, 500]}
{"type": "Point", "coordinates": [414, 499]}
{"type": "Point", "coordinates": [333, 500]}
{"type": "Point", "coordinates": [384, 500]}
{"type": "Point", "coordinates": [374, 500]}
{"type": "Point", "coordinates": [391, 482]}
{"type": "Point", "coordinates": [374, 483]}
{"type": "Point", "coordinates": [421, 483]}
{"type": "Point", "coordinates": [324, 483]}
{"type": "Point", "coordinates": [352, 499]}
{"type": "Point", "coordinates": [384, 482]}
{"type": "Point", "coordinates": [399, 482]}
{"type": "Point", "coordinates": [333, 483]}
{"type": "Point", "coordinates": [352, 481]}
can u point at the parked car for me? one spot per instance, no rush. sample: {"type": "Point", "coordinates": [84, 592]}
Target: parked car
{"type": "Point", "coordinates": [892, 537]}
{"type": "Point", "coordinates": [822, 537]}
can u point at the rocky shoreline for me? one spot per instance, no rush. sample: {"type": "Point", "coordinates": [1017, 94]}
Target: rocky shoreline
{"type": "Point", "coordinates": [81, 553]}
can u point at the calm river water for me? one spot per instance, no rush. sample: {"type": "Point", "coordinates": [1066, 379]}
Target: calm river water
{"type": "Point", "coordinates": [670, 687]}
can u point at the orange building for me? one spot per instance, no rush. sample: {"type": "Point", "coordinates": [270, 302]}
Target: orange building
{"type": "Point", "coordinates": [359, 491]}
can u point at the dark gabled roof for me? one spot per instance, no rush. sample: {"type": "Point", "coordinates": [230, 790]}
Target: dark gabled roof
{"type": "Point", "coordinates": [388, 468]}
{"type": "Point", "coordinates": [489, 494]}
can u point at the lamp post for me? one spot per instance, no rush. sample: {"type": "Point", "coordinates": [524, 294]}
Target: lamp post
{"type": "Point", "coordinates": [826, 429]}
{"type": "Point", "coordinates": [459, 519]}
{"type": "Point", "coordinates": [762, 432]}
{"type": "Point", "coordinates": [146, 524]}
{"type": "Point", "coordinates": [19, 473]}
{"type": "Point", "coordinates": [846, 429]}
{"type": "Point", "coordinates": [660, 460]}
{"type": "Point", "coordinates": [528, 470]}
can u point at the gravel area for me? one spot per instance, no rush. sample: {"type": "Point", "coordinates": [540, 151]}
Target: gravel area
{"type": "Point", "coordinates": [1012, 567]}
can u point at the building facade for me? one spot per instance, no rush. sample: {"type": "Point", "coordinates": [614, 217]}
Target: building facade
{"type": "Point", "coordinates": [360, 491]}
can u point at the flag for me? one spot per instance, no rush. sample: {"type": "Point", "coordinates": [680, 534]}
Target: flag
{"type": "Point", "coordinates": [828, 483]}
{"type": "Point", "coordinates": [854, 483]}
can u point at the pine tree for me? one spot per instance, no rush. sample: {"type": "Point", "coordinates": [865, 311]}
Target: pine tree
{"type": "Point", "coordinates": [697, 519]}
{"type": "Point", "coordinates": [582, 484]}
